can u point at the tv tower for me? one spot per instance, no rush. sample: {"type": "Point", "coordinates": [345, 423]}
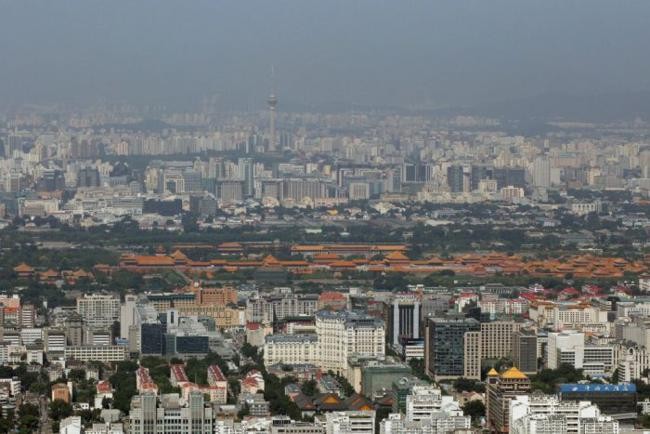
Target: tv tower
{"type": "Point", "coordinates": [272, 102]}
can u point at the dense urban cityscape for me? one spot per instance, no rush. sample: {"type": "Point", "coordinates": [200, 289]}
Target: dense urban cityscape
{"type": "Point", "coordinates": [357, 270]}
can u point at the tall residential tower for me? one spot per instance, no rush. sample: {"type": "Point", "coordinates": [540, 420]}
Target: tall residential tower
{"type": "Point", "coordinates": [272, 103]}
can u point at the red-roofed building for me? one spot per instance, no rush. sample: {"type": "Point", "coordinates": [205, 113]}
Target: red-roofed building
{"type": "Point", "coordinates": [252, 382]}
{"type": "Point", "coordinates": [332, 300]}
{"type": "Point", "coordinates": [24, 271]}
{"type": "Point", "coordinates": [568, 293]}
{"type": "Point", "coordinates": [104, 390]}
{"type": "Point", "coordinates": [177, 375]}
{"type": "Point", "coordinates": [593, 290]}
{"type": "Point", "coordinates": [48, 276]}
{"type": "Point", "coordinates": [529, 296]}
{"type": "Point", "coordinates": [622, 290]}
{"type": "Point", "coordinates": [231, 248]}
{"type": "Point", "coordinates": [144, 382]}
{"type": "Point", "coordinates": [396, 258]}
{"type": "Point", "coordinates": [252, 326]}
{"type": "Point", "coordinates": [326, 258]}
{"type": "Point", "coordinates": [217, 380]}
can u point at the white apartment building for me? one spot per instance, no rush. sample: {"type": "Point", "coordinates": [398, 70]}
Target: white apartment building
{"type": "Point", "coordinates": [511, 194]}
{"type": "Point", "coordinates": [171, 415]}
{"type": "Point", "coordinates": [636, 330]}
{"type": "Point", "coordinates": [630, 308]}
{"type": "Point", "coordinates": [30, 335]}
{"type": "Point", "coordinates": [339, 335]}
{"type": "Point", "coordinates": [98, 310]}
{"type": "Point", "coordinates": [563, 317]}
{"type": "Point", "coordinates": [568, 347]}
{"type": "Point", "coordinates": [599, 360]}
{"type": "Point", "coordinates": [291, 349]}
{"type": "Point", "coordinates": [546, 414]}
{"type": "Point", "coordinates": [397, 423]}
{"type": "Point", "coordinates": [98, 337]}
{"type": "Point", "coordinates": [350, 422]}
{"type": "Point", "coordinates": [101, 353]}
{"type": "Point", "coordinates": [632, 362]}
{"type": "Point", "coordinates": [567, 315]}
{"type": "Point", "coordinates": [424, 401]}
{"type": "Point", "coordinates": [267, 425]}
{"type": "Point", "coordinates": [127, 315]}
{"type": "Point", "coordinates": [644, 283]}
{"type": "Point", "coordinates": [565, 347]}
{"type": "Point", "coordinates": [284, 425]}
{"type": "Point", "coordinates": [584, 208]}
{"type": "Point", "coordinates": [55, 341]}
{"type": "Point", "coordinates": [71, 425]}
{"type": "Point", "coordinates": [105, 428]}
{"type": "Point", "coordinates": [427, 411]}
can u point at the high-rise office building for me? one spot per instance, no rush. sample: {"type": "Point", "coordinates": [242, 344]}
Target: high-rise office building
{"type": "Point", "coordinates": [299, 189]}
{"type": "Point", "coordinates": [404, 319]}
{"type": "Point", "coordinates": [493, 341]}
{"type": "Point", "coordinates": [496, 338]}
{"type": "Point", "coordinates": [152, 338]}
{"type": "Point", "coordinates": [192, 181]}
{"type": "Point", "coordinates": [272, 103]}
{"type": "Point", "coordinates": [246, 173]}
{"type": "Point", "coordinates": [456, 178]}
{"type": "Point", "coordinates": [88, 177]}
{"type": "Point", "coordinates": [127, 315]}
{"type": "Point", "coordinates": [416, 172]}
{"type": "Point", "coordinates": [510, 177]}
{"type": "Point", "coordinates": [51, 180]}
{"type": "Point", "coordinates": [524, 350]}
{"type": "Point", "coordinates": [480, 173]}
{"type": "Point", "coordinates": [74, 329]}
{"type": "Point", "coordinates": [271, 188]}
{"type": "Point", "coordinates": [359, 191]}
{"type": "Point", "coordinates": [444, 346]}
{"type": "Point", "coordinates": [542, 172]}
{"type": "Point", "coordinates": [230, 191]}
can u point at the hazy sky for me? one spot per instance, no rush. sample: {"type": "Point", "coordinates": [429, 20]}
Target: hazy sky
{"type": "Point", "coordinates": [370, 52]}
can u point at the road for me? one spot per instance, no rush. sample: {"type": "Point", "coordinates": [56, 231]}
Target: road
{"type": "Point", "coordinates": [45, 425]}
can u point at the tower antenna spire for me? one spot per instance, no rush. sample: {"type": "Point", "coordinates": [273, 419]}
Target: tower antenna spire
{"type": "Point", "coordinates": [272, 103]}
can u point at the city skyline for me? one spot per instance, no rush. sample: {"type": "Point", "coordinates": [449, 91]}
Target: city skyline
{"type": "Point", "coordinates": [294, 217]}
{"type": "Point", "coordinates": [429, 55]}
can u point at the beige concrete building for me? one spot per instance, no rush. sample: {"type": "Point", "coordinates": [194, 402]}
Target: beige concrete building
{"type": "Point", "coordinates": [493, 341]}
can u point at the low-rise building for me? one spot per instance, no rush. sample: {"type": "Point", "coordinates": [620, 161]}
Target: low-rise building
{"type": "Point", "coordinates": [350, 422]}
{"type": "Point", "coordinates": [546, 414]}
{"type": "Point", "coordinates": [100, 353]}
{"type": "Point", "coordinates": [170, 415]}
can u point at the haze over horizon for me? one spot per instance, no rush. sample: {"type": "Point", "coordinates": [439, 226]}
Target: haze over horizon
{"type": "Point", "coordinates": [418, 54]}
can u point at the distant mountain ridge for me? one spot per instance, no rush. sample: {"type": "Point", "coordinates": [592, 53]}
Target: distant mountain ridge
{"type": "Point", "coordinates": [568, 107]}
{"type": "Point", "coordinates": [603, 107]}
